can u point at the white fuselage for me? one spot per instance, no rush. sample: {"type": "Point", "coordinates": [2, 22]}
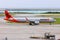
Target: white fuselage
{"type": "Point", "coordinates": [40, 19]}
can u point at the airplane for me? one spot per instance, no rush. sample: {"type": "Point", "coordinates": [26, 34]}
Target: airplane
{"type": "Point", "coordinates": [30, 20]}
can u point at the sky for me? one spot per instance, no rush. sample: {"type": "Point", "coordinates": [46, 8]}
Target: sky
{"type": "Point", "coordinates": [30, 4]}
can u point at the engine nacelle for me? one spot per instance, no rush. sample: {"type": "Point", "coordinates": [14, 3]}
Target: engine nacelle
{"type": "Point", "coordinates": [36, 22]}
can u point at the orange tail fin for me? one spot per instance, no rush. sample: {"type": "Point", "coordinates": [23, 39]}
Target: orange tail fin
{"type": "Point", "coordinates": [7, 15]}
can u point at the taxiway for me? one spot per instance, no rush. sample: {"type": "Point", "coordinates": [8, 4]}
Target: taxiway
{"type": "Point", "coordinates": [22, 31]}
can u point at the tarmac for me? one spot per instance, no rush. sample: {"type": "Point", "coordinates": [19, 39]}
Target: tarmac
{"type": "Point", "coordinates": [23, 31]}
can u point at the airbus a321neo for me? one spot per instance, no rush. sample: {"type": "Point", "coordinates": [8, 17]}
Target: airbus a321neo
{"type": "Point", "coordinates": [30, 20]}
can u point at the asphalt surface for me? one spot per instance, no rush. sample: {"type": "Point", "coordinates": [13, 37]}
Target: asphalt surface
{"type": "Point", "coordinates": [23, 31]}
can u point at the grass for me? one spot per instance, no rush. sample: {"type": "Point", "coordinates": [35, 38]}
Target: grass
{"type": "Point", "coordinates": [57, 21]}
{"type": "Point", "coordinates": [4, 14]}
{"type": "Point", "coordinates": [1, 14]}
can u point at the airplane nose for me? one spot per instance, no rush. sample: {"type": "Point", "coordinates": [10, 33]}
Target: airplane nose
{"type": "Point", "coordinates": [54, 20]}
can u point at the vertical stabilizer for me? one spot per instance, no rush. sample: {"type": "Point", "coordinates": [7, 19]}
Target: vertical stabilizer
{"type": "Point", "coordinates": [7, 15]}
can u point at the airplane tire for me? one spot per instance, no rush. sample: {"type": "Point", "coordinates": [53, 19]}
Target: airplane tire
{"type": "Point", "coordinates": [30, 23]}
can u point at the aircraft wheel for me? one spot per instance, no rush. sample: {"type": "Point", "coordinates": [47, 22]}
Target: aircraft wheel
{"type": "Point", "coordinates": [30, 23]}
